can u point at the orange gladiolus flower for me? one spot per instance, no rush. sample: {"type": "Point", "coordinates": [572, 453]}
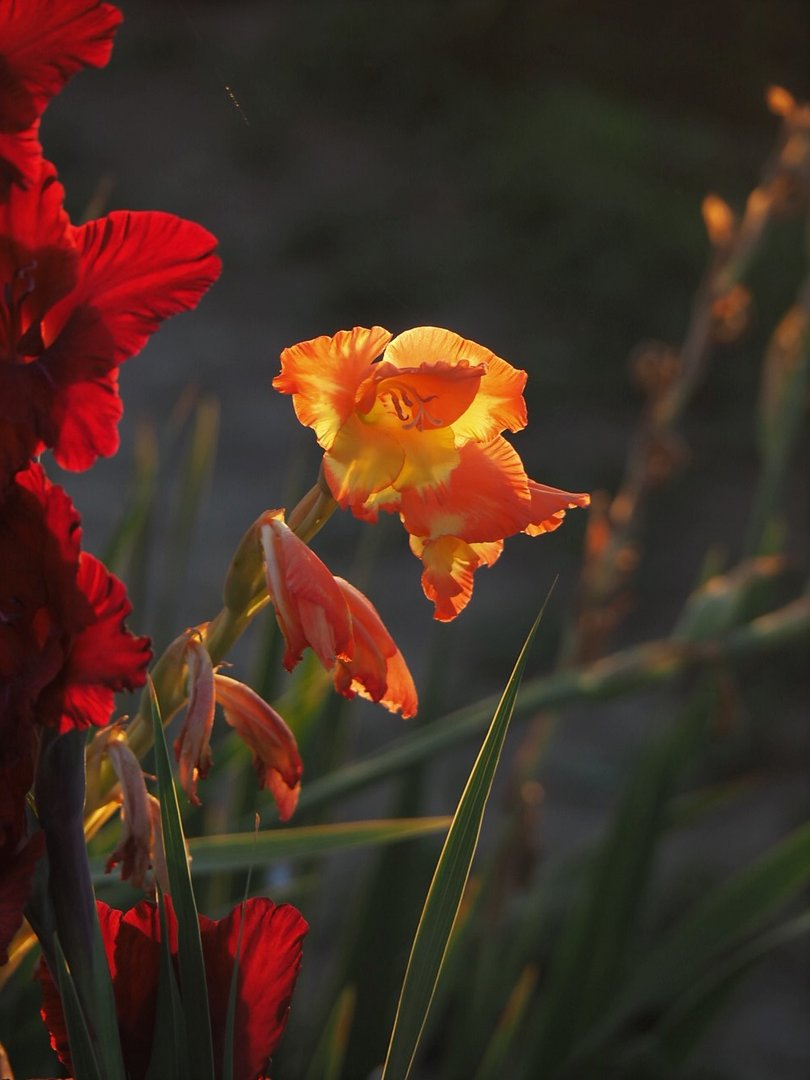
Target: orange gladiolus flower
{"type": "Point", "coordinates": [335, 619]}
{"type": "Point", "coordinates": [419, 433]}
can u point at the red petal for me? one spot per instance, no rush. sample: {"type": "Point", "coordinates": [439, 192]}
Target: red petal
{"type": "Point", "coordinates": [43, 45]}
{"type": "Point", "coordinates": [105, 656]}
{"type": "Point", "coordinates": [136, 270]}
{"type": "Point", "coordinates": [269, 959]}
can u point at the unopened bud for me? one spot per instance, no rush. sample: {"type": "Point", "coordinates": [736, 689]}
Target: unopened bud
{"type": "Point", "coordinates": [244, 581]}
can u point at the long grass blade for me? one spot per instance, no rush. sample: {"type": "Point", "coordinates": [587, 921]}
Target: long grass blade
{"type": "Point", "coordinates": [85, 1065]}
{"type": "Point", "coordinates": [446, 889]}
{"type": "Point", "coordinates": [193, 986]}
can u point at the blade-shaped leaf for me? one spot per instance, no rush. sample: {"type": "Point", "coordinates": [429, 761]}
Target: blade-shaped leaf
{"type": "Point", "coordinates": [193, 986]}
{"type": "Point", "coordinates": [170, 1055]}
{"type": "Point", "coordinates": [447, 887]}
{"type": "Point", "coordinates": [85, 1065]}
{"type": "Point", "coordinates": [714, 926]}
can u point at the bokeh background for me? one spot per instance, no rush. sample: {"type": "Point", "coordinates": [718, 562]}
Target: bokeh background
{"type": "Point", "coordinates": [531, 176]}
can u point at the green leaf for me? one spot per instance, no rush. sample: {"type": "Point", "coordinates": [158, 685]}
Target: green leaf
{"type": "Point", "coordinates": [588, 963]}
{"type": "Point", "coordinates": [193, 986]}
{"type": "Point", "coordinates": [692, 1014]}
{"type": "Point", "coordinates": [495, 1062]}
{"type": "Point", "coordinates": [214, 854]}
{"type": "Point", "coordinates": [85, 1065]}
{"type": "Point", "coordinates": [327, 1061]}
{"type": "Point", "coordinates": [170, 1055]}
{"type": "Point", "coordinates": [446, 889]}
{"type": "Point", "coordinates": [640, 666]}
{"type": "Point", "coordinates": [712, 928]}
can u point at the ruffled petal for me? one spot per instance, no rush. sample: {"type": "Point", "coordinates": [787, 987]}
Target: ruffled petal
{"type": "Point", "coordinates": [485, 498]}
{"type": "Point", "coordinates": [43, 45]}
{"type": "Point", "coordinates": [377, 670]}
{"type": "Point", "coordinates": [449, 564]}
{"type": "Point", "coordinates": [323, 376]}
{"type": "Point", "coordinates": [105, 657]}
{"type": "Point", "coordinates": [499, 403]}
{"type": "Point", "coordinates": [137, 269]}
{"type": "Point", "coordinates": [549, 505]}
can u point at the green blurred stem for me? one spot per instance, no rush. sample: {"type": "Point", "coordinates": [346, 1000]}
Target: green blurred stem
{"type": "Point", "coordinates": [643, 665]}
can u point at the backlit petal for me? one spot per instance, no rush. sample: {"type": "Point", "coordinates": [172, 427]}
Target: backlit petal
{"type": "Point", "coordinates": [549, 505]}
{"type": "Point", "coordinates": [449, 564]}
{"type": "Point", "coordinates": [377, 670]}
{"type": "Point", "coordinates": [424, 397]}
{"type": "Point", "coordinates": [43, 45]}
{"type": "Point", "coordinates": [485, 498]}
{"type": "Point", "coordinates": [499, 403]}
{"type": "Point", "coordinates": [269, 961]}
{"type": "Point", "coordinates": [275, 752]}
{"type": "Point", "coordinates": [309, 606]}
{"type": "Point", "coordinates": [105, 657]}
{"type": "Point", "coordinates": [363, 459]}
{"type": "Point", "coordinates": [138, 268]}
{"type": "Point", "coordinates": [323, 376]}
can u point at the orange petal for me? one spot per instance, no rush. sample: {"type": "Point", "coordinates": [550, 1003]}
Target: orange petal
{"type": "Point", "coordinates": [310, 608]}
{"type": "Point", "coordinates": [275, 751]}
{"type": "Point", "coordinates": [449, 564]}
{"type": "Point", "coordinates": [323, 376]}
{"type": "Point", "coordinates": [549, 505]}
{"type": "Point", "coordinates": [485, 498]}
{"type": "Point", "coordinates": [424, 397]}
{"type": "Point", "coordinates": [364, 459]}
{"type": "Point", "coordinates": [499, 403]}
{"type": "Point", "coordinates": [377, 671]}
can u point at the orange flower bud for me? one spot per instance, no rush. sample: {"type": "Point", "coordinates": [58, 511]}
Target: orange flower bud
{"type": "Point", "coordinates": [310, 607]}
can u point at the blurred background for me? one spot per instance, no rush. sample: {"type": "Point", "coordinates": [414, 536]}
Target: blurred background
{"type": "Point", "coordinates": [531, 176]}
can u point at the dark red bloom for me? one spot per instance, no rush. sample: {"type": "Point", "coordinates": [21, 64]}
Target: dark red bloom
{"type": "Point", "coordinates": [269, 959]}
{"type": "Point", "coordinates": [64, 649]}
{"type": "Point", "coordinates": [42, 44]}
{"type": "Point", "coordinates": [64, 652]}
{"type": "Point", "coordinates": [18, 851]}
{"type": "Point", "coordinates": [76, 302]}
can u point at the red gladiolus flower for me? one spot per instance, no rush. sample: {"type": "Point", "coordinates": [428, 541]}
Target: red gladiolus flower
{"type": "Point", "coordinates": [269, 959]}
{"type": "Point", "coordinates": [342, 626]}
{"type": "Point", "coordinates": [42, 44]}
{"type": "Point", "coordinates": [64, 649]}
{"type": "Point", "coordinates": [77, 302]}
